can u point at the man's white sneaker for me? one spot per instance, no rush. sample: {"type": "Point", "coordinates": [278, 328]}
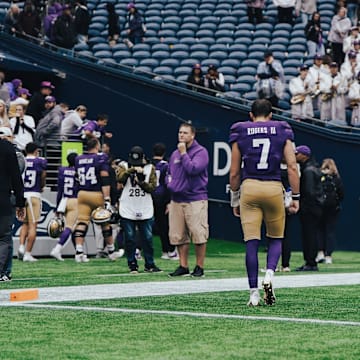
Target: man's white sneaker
{"type": "Point", "coordinates": [320, 258]}
{"type": "Point", "coordinates": [81, 258]}
{"type": "Point", "coordinates": [254, 298]}
{"type": "Point", "coordinates": [29, 258]}
{"type": "Point", "coordinates": [328, 260]}
{"type": "Point", "coordinates": [55, 253]}
{"type": "Point", "coordinates": [20, 253]}
{"type": "Point", "coordinates": [173, 255]}
{"type": "Point", "coordinates": [113, 256]}
{"type": "Point", "coordinates": [120, 253]}
{"type": "Point", "coordinates": [165, 256]}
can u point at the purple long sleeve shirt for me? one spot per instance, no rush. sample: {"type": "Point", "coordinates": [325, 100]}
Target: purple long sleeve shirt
{"type": "Point", "coordinates": [188, 175]}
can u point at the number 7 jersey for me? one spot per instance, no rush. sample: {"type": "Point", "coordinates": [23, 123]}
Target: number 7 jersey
{"type": "Point", "coordinates": [261, 144]}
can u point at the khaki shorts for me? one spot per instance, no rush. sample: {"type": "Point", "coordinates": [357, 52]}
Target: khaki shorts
{"type": "Point", "coordinates": [262, 200]}
{"type": "Point", "coordinates": [188, 221]}
{"type": "Point", "coordinates": [33, 209]}
{"type": "Point", "coordinates": [87, 202]}
{"type": "Point", "coordinates": [71, 213]}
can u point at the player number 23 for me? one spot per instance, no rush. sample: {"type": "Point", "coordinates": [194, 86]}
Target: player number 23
{"type": "Point", "coordinates": [264, 143]}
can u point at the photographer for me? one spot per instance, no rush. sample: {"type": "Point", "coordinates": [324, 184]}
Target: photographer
{"type": "Point", "coordinates": [136, 207]}
{"type": "Point", "coordinates": [214, 80]}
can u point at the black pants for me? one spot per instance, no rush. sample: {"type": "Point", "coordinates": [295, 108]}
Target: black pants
{"type": "Point", "coordinates": [255, 15]}
{"type": "Point", "coordinates": [327, 231]}
{"type": "Point", "coordinates": [162, 225]}
{"type": "Point", "coordinates": [5, 241]}
{"type": "Point", "coordinates": [286, 247]}
{"type": "Point", "coordinates": [337, 53]}
{"type": "Point", "coordinates": [285, 15]}
{"type": "Point", "coordinates": [309, 236]}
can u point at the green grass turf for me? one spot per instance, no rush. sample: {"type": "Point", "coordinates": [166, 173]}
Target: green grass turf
{"type": "Point", "coordinates": [70, 334]}
{"type": "Point", "coordinates": [224, 260]}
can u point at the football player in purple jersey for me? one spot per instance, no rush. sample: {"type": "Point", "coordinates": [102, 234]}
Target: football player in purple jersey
{"type": "Point", "coordinates": [66, 201]}
{"type": "Point", "coordinates": [96, 128]}
{"type": "Point", "coordinates": [257, 194]}
{"type": "Point", "coordinates": [34, 182]}
{"type": "Point", "coordinates": [92, 171]}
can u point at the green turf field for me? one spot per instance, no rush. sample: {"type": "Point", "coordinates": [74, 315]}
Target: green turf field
{"type": "Point", "coordinates": [208, 326]}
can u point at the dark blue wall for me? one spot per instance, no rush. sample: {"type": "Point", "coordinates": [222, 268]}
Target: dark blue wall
{"type": "Point", "coordinates": [143, 111]}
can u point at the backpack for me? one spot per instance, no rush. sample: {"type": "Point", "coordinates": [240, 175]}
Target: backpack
{"type": "Point", "coordinates": [329, 192]}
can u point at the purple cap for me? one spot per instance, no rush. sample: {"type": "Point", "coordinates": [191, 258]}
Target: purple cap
{"type": "Point", "coordinates": [318, 57]}
{"type": "Point", "coordinates": [352, 54]}
{"type": "Point", "coordinates": [334, 64]}
{"type": "Point", "coordinates": [196, 66]}
{"type": "Point", "coordinates": [24, 91]}
{"type": "Point", "coordinates": [304, 67]}
{"type": "Point", "coordinates": [356, 42]}
{"type": "Point", "coordinates": [58, 7]}
{"type": "Point", "coordinates": [50, 99]}
{"type": "Point", "coordinates": [47, 84]}
{"type": "Point", "coordinates": [130, 6]}
{"type": "Point", "coordinates": [16, 82]}
{"type": "Point", "coordinates": [303, 149]}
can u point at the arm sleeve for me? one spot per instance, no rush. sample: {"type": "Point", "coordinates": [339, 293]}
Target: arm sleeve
{"type": "Point", "coordinates": [196, 164]}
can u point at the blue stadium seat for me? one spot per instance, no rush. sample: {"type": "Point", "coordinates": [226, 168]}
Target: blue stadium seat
{"type": "Point", "coordinates": [264, 26]}
{"type": "Point", "coordinates": [152, 63]}
{"type": "Point", "coordinates": [204, 12]}
{"type": "Point", "coordinates": [227, 26]}
{"type": "Point", "coordinates": [223, 33]}
{"type": "Point", "coordinates": [81, 47]}
{"type": "Point", "coordinates": [182, 80]}
{"type": "Point", "coordinates": [129, 62]}
{"type": "Point", "coordinates": [141, 46]}
{"type": "Point", "coordinates": [204, 33]}
{"type": "Point", "coordinates": [170, 40]}
{"type": "Point", "coordinates": [231, 62]}
{"type": "Point", "coordinates": [238, 13]}
{"type": "Point", "coordinates": [246, 26]}
{"type": "Point", "coordinates": [211, 19]}
{"type": "Point", "coordinates": [182, 70]}
{"type": "Point", "coordinates": [167, 33]}
{"type": "Point", "coordinates": [281, 33]}
{"type": "Point", "coordinates": [242, 37]}
{"type": "Point", "coordinates": [97, 40]}
{"type": "Point", "coordinates": [227, 70]}
{"type": "Point", "coordinates": [291, 71]}
{"type": "Point", "coordinates": [263, 41]}
{"type": "Point", "coordinates": [296, 55]}
{"type": "Point", "coordinates": [228, 40]}
{"type": "Point", "coordinates": [169, 12]}
{"type": "Point", "coordinates": [229, 80]}
{"type": "Point", "coordinates": [160, 55]}
{"type": "Point", "coordinates": [240, 87]}
{"type": "Point", "coordinates": [250, 62]}
{"type": "Point", "coordinates": [296, 47]}
{"type": "Point", "coordinates": [159, 46]}
{"type": "Point", "coordinates": [238, 47]}
{"type": "Point", "coordinates": [190, 6]}
{"type": "Point", "coordinates": [189, 62]}
{"type": "Point", "coordinates": [246, 79]}
{"type": "Point", "coordinates": [180, 54]}
{"type": "Point", "coordinates": [185, 33]}
{"type": "Point", "coordinates": [224, 5]}
{"type": "Point", "coordinates": [199, 47]}
{"type": "Point", "coordinates": [99, 19]}
{"type": "Point", "coordinates": [207, 6]}
{"type": "Point", "coordinates": [219, 55]}
{"type": "Point", "coordinates": [188, 40]}
{"type": "Point", "coordinates": [84, 54]}
{"type": "Point", "coordinates": [297, 33]}
{"type": "Point", "coordinates": [208, 26]}
{"type": "Point", "coordinates": [201, 55]}
{"type": "Point", "coordinates": [189, 26]}
{"type": "Point", "coordinates": [221, 12]}
{"type": "Point", "coordinates": [238, 55]}
{"type": "Point", "coordinates": [155, 6]}
{"type": "Point", "coordinates": [257, 47]}
{"type": "Point", "coordinates": [232, 95]}
{"type": "Point", "coordinates": [207, 40]}
{"type": "Point", "coordinates": [163, 70]}
{"type": "Point", "coordinates": [299, 26]}
{"type": "Point", "coordinates": [279, 55]}
{"type": "Point", "coordinates": [250, 96]}
{"type": "Point", "coordinates": [180, 47]}
{"type": "Point", "coordinates": [280, 40]}
{"type": "Point", "coordinates": [191, 20]}
{"type": "Point", "coordinates": [173, 20]}
{"type": "Point", "coordinates": [208, 62]}
{"type": "Point", "coordinates": [278, 47]}
{"type": "Point", "coordinates": [121, 54]}
{"type": "Point", "coordinates": [262, 34]}
{"type": "Point", "coordinates": [283, 26]}
{"type": "Point", "coordinates": [218, 47]}
{"type": "Point", "coordinates": [187, 12]}
{"type": "Point", "coordinates": [229, 19]}
{"type": "Point", "coordinates": [246, 70]}
{"type": "Point", "coordinates": [259, 55]}
{"type": "Point", "coordinates": [170, 26]}
{"type": "Point", "coordinates": [141, 54]}
{"type": "Point", "coordinates": [292, 63]}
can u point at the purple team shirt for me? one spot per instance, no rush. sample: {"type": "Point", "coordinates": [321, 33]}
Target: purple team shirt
{"type": "Point", "coordinates": [88, 168]}
{"type": "Point", "coordinates": [32, 174]}
{"type": "Point", "coordinates": [161, 169]}
{"type": "Point", "coordinates": [94, 128]}
{"type": "Point", "coordinates": [261, 145]}
{"type": "Point", "coordinates": [67, 186]}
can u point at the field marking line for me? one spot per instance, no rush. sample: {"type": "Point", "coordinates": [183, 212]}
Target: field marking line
{"type": "Point", "coordinates": [191, 314]}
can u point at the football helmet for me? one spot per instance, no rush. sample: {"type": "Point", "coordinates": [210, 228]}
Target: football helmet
{"type": "Point", "coordinates": [55, 227]}
{"type": "Point", "coordinates": [101, 215]}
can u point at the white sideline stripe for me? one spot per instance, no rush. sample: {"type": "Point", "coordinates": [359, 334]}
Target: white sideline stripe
{"type": "Point", "coordinates": [194, 314]}
{"type": "Point", "coordinates": [178, 287]}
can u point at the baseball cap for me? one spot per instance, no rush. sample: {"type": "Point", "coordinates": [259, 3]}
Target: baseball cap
{"type": "Point", "coordinates": [303, 149]}
{"type": "Point", "coordinates": [16, 82]}
{"type": "Point", "coordinates": [304, 67]}
{"type": "Point", "coordinates": [50, 99]}
{"type": "Point", "coordinates": [196, 66]}
{"type": "Point", "coordinates": [352, 54]}
{"type": "Point", "coordinates": [130, 6]}
{"type": "Point", "coordinates": [5, 131]}
{"type": "Point", "coordinates": [136, 156]}
{"type": "Point", "coordinates": [354, 28]}
{"type": "Point", "coordinates": [268, 54]}
{"type": "Point", "coordinates": [334, 64]}
{"type": "Point", "coordinates": [318, 57]}
{"type": "Point", "coordinates": [47, 84]}
{"type": "Point", "coordinates": [24, 91]}
{"type": "Point", "coordinates": [356, 42]}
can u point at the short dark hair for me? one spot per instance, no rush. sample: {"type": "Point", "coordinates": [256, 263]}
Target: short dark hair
{"type": "Point", "coordinates": [189, 125]}
{"type": "Point", "coordinates": [71, 158]}
{"type": "Point", "coordinates": [159, 149]}
{"type": "Point", "coordinates": [92, 143]}
{"type": "Point", "coordinates": [261, 107]}
{"type": "Point", "coordinates": [31, 147]}
{"type": "Point", "coordinates": [102, 117]}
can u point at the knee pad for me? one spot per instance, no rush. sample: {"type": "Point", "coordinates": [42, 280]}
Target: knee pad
{"type": "Point", "coordinates": [107, 232]}
{"type": "Point", "coordinates": [80, 232]}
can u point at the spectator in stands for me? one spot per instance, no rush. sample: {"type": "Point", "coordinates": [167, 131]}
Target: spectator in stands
{"type": "Point", "coordinates": [161, 199]}
{"type": "Point", "coordinates": [314, 36]}
{"type": "Point", "coordinates": [4, 119]}
{"type": "Point", "coordinates": [270, 79]}
{"type": "Point", "coordinates": [316, 71]}
{"type": "Point", "coordinates": [34, 182]}
{"type": "Point", "coordinates": [136, 207]}
{"type": "Point", "coordinates": [352, 8]}
{"type": "Point", "coordinates": [306, 9]}
{"type": "Point", "coordinates": [348, 43]}
{"type": "Point", "coordinates": [196, 78]}
{"type": "Point", "coordinates": [48, 23]}
{"type": "Point", "coordinates": [49, 125]}
{"type": "Point", "coordinates": [11, 21]}
{"type": "Point", "coordinates": [29, 20]}
{"type": "Point", "coordinates": [334, 190]}
{"type": "Point", "coordinates": [354, 97]}
{"type": "Point", "coordinates": [14, 86]}
{"type": "Point", "coordinates": [350, 67]}
{"type": "Point", "coordinates": [82, 21]}
{"type": "Point", "coordinates": [113, 21]}
{"type": "Point", "coordinates": [64, 30]}
{"type": "Point", "coordinates": [285, 10]}
{"type": "Point", "coordinates": [310, 209]}
{"type": "Point", "coordinates": [333, 89]}
{"type": "Point", "coordinates": [340, 26]}
{"type": "Point", "coordinates": [73, 120]}
{"type": "Point", "coordinates": [136, 24]}
{"type": "Point", "coordinates": [4, 90]}
{"type": "Point", "coordinates": [255, 11]}
{"type": "Point", "coordinates": [23, 127]}
{"type": "Point", "coordinates": [36, 106]}
{"type": "Point", "coordinates": [22, 98]}
{"type": "Point", "coordinates": [96, 128]}
{"type": "Point", "coordinates": [214, 80]}
{"type": "Point", "coordinates": [301, 88]}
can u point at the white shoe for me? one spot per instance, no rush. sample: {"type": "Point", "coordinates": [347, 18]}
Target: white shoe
{"type": "Point", "coordinates": [269, 294]}
{"type": "Point", "coordinates": [320, 258]}
{"type": "Point", "coordinates": [120, 253]}
{"type": "Point", "coordinates": [165, 256]}
{"type": "Point", "coordinates": [138, 255]}
{"type": "Point", "coordinates": [29, 258]}
{"type": "Point", "coordinates": [113, 256]}
{"type": "Point", "coordinates": [285, 269]}
{"type": "Point", "coordinates": [55, 253]}
{"type": "Point", "coordinates": [173, 255]}
{"type": "Point", "coordinates": [21, 252]}
{"type": "Point", "coordinates": [328, 260]}
{"type": "Point", "coordinates": [254, 298]}
{"type": "Point", "coordinates": [81, 258]}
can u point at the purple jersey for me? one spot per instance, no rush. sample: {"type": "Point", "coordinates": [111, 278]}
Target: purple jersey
{"type": "Point", "coordinates": [261, 146]}
{"type": "Point", "coordinates": [94, 128]}
{"type": "Point", "coordinates": [88, 168]}
{"type": "Point", "coordinates": [32, 175]}
{"type": "Point", "coordinates": [67, 186]}
{"type": "Point", "coordinates": [161, 168]}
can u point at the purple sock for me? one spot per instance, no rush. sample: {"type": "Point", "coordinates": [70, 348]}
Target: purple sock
{"type": "Point", "coordinates": [274, 252]}
{"type": "Point", "coordinates": [64, 236]}
{"type": "Point", "coordinates": [252, 262]}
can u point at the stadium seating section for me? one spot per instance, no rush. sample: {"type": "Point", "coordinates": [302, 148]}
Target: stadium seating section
{"type": "Point", "coordinates": [181, 33]}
